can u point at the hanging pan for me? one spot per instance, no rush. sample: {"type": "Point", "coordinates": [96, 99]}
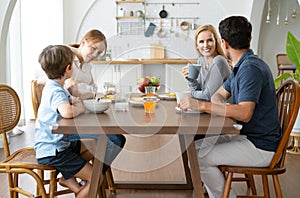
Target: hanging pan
{"type": "Point", "coordinates": [163, 13]}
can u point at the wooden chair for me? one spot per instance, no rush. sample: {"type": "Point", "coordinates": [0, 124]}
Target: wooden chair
{"type": "Point", "coordinates": [288, 98]}
{"type": "Point", "coordinates": [36, 96]}
{"type": "Point", "coordinates": [284, 64]}
{"type": "Point", "coordinates": [22, 161]}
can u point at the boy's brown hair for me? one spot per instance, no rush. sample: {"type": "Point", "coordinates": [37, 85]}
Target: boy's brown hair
{"type": "Point", "coordinates": [54, 60]}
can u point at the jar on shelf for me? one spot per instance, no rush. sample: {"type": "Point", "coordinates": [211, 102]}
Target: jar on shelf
{"type": "Point", "coordinates": [108, 56]}
{"type": "Point", "coordinates": [121, 12]}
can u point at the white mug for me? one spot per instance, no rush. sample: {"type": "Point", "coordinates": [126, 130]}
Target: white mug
{"type": "Point", "coordinates": [182, 94]}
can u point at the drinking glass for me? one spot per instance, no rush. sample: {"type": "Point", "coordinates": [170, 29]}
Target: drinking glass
{"type": "Point", "coordinates": [150, 104]}
{"type": "Point", "coordinates": [150, 91]}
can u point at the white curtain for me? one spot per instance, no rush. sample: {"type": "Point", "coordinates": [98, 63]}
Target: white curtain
{"type": "Point", "coordinates": [33, 26]}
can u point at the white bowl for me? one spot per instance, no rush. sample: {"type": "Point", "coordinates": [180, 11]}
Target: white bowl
{"type": "Point", "coordinates": [96, 106]}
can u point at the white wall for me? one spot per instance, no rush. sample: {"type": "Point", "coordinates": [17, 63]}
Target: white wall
{"type": "Point", "coordinates": [102, 14]}
{"type": "Point", "coordinates": [273, 37]}
{"type": "Point", "coordinates": [74, 12]}
{"type": "Point", "coordinates": [6, 9]}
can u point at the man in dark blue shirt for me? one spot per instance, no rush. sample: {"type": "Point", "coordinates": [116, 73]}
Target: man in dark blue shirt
{"type": "Point", "coordinates": [254, 106]}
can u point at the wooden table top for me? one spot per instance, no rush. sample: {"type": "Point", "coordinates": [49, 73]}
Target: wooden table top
{"type": "Point", "coordinates": [148, 61]}
{"type": "Point", "coordinates": [165, 120]}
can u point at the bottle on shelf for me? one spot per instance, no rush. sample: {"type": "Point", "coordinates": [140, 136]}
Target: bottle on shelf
{"type": "Point", "coordinates": [108, 56]}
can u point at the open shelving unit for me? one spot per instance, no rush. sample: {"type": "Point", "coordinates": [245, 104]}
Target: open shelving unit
{"type": "Point", "coordinates": [130, 23]}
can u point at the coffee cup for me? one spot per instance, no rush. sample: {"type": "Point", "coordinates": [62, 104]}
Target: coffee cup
{"type": "Point", "coordinates": [193, 70]}
{"type": "Point", "coordinates": [182, 94]}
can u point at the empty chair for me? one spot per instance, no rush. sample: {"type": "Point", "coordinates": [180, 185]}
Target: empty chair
{"type": "Point", "coordinates": [288, 98]}
{"type": "Point", "coordinates": [284, 64]}
{"type": "Point", "coordinates": [22, 161]}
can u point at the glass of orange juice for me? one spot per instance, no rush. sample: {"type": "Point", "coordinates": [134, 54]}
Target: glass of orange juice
{"type": "Point", "coordinates": [150, 91]}
{"type": "Point", "coordinates": [150, 104]}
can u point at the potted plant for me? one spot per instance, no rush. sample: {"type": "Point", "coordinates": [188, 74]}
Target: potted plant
{"type": "Point", "coordinates": [293, 52]}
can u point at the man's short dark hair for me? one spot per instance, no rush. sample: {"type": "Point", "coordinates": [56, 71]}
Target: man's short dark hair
{"type": "Point", "coordinates": [236, 30]}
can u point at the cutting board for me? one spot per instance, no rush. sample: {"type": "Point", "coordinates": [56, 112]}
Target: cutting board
{"type": "Point", "coordinates": [157, 51]}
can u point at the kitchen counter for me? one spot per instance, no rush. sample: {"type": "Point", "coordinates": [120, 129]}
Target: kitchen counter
{"type": "Point", "coordinates": [148, 61]}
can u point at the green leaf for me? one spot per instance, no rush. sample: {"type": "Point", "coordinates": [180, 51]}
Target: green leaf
{"type": "Point", "coordinates": [284, 76]}
{"type": "Point", "coordinates": [293, 49]}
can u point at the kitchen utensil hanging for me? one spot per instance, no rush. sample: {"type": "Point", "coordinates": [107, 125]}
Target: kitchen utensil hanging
{"type": "Point", "coordinates": [171, 26]}
{"type": "Point", "coordinates": [185, 26]}
{"type": "Point", "coordinates": [163, 13]}
{"type": "Point", "coordinates": [177, 28]}
{"type": "Point", "coordinates": [161, 33]}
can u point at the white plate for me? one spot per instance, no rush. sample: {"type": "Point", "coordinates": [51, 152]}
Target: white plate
{"type": "Point", "coordinates": [188, 111]}
{"type": "Point", "coordinates": [166, 97]}
{"type": "Point", "coordinates": [138, 101]}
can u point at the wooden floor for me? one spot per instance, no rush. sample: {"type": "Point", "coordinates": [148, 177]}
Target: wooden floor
{"type": "Point", "coordinates": [169, 172]}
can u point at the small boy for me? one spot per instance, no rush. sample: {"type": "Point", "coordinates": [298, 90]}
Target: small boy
{"type": "Point", "coordinates": [68, 157]}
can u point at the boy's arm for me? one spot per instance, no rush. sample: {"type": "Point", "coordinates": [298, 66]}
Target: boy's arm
{"type": "Point", "coordinates": [68, 110]}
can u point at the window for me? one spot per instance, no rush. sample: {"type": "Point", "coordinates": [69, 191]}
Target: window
{"type": "Point", "coordinates": [29, 32]}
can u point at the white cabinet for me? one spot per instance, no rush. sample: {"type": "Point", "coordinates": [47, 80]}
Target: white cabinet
{"type": "Point", "coordinates": [175, 80]}
{"type": "Point", "coordinates": [121, 75]}
{"type": "Point", "coordinates": [126, 73]}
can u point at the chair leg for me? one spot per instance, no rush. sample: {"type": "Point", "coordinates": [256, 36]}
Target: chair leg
{"type": "Point", "coordinates": [53, 184]}
{"type": "Point", "coordinates": [11, 185]}
{"type": "Point", "coordinates": [265, 186]}
{"type": "Point", "coordinates": [16, 184]}
{"type": "Point", "coordinates": [277, 186]}
{"type": "Point", "coordinates": [110, 181]}
{"type": "Point", "coordinates": [41, 174]}
{"type": "Point", "coordinates": [227, 185]}
{"type": "Point", "coordinates": [251, 184]}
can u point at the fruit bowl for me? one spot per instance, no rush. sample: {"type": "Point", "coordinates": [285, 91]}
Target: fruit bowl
{"type": "Point", "coordinates": [96, 106]}
{"type": "Point", "coordinates": [148, 81]}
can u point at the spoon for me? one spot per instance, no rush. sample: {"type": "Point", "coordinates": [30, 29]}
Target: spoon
{"type": "Point", "coordinates": [171, 26]}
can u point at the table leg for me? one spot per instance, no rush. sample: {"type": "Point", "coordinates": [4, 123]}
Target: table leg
{"type": "Point", "coordinates": [194, 166]}
{"type": "Point", "coordinates": [97, 175]}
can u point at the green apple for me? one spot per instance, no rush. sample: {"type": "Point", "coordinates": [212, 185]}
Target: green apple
{"type": "Point", "coordinates": [155, 80]}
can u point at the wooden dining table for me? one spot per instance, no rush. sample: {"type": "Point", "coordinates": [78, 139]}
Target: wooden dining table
{"type": "Point", "coordinates": [165, 121]}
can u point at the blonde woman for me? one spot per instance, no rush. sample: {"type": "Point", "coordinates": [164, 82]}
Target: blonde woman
{"type": "Point", "coordinates": [213, 66]}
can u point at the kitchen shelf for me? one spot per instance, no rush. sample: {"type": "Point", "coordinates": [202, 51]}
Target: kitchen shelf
{"type": "Point", "coordinates": [148, 61]}
{"type": "Point", "coordinates": [130, 1]}
{"type": "Point", "coordinates": [129, 17]}
{"type": "Point", "coordinates": [172, 18]}
{"type": "Point", "coordinates": [158, 3]}
{"type": "Point", "coordinates": [133, 23]}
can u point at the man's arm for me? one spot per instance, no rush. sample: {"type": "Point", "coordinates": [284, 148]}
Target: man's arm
{"type": "Point", "coordinates": [220, 96]}
{"type": "Point", "coordinates": [241, 112]}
